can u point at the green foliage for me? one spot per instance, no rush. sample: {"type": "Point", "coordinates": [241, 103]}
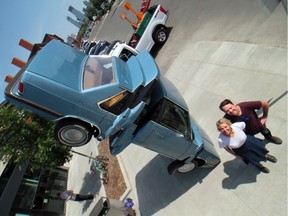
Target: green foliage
{"type": "Point", "coordinates": [81, 32]}
{"type": "Point", "coordinates": [97, 3]}
{"type": "Point", "coordinates": [25, 137]}
{"type": "Point", "coordinates": [91, 11]}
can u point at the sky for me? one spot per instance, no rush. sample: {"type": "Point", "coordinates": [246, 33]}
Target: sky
{"type": "Point", "coordinates": [31, 20]}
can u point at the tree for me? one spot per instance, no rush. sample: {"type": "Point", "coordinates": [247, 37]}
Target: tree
{"type": "Point", "coordinates": [91, 11]}
{"type": "Point", "coordinates": [26, 137]}
{"type": "Point", "coordinates": [96, 3]}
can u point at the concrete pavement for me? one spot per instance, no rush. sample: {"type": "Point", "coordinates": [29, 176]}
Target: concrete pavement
{"type": "Point", "coordinates": [242, 58]}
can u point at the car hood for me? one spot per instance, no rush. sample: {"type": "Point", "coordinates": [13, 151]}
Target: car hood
{"type": "Point", "coordinates": [138, 70]}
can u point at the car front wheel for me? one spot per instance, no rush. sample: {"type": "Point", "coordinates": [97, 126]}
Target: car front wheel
{"type": "Point", "coordinates": [73, 133]}
{"type": "Point", "coordinates": [181, 167]}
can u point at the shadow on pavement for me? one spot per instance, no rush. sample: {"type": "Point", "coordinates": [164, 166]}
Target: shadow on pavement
{"type": "Point", "coordinates": [238, 173]}
{"type": "Point", "coordinates": [91, 185]}
{"type": "Point", "coordinates": [270, 5]}
{"type": "Point", "coordinates": [156, 188]}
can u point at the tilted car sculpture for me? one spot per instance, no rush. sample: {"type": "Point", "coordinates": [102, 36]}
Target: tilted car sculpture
{"type": "Point", "coordinates": [129, 102]}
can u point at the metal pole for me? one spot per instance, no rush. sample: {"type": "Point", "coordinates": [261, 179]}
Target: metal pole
{"type": "Point", "coordinates": [83, 155]}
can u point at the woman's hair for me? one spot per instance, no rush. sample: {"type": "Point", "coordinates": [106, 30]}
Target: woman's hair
{"type": "Point", "coordinates": [224, 103]}
{"type": "Point", "coordinates": [223, 121]}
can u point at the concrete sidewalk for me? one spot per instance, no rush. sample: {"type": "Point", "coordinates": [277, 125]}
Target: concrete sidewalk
{"type": "Point", "coordinates": [221, 58]}
{"type": "Point", "coordinates": [80, 180]}
{"type": "Point", "coordinates": [232, 187]}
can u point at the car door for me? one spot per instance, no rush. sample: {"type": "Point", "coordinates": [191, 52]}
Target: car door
{"type": "Point", "coordinates": [121, 132]}
{"type": "Point", "coordinates": [167, 130]}
{"type": "Point", "coordinates": [162, 140]}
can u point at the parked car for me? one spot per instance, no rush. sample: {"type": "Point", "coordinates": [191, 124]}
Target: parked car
{"type": "Point", "coordinates": [120, 49]}
{"type": "Point", "coordinates": [99, 48]}
{"type": "Point", "coordinates": [88, 46]}
{"type": "Point", "coordinates": [115, 48]}
{"type": "Point", "coordinates": [126, 102]}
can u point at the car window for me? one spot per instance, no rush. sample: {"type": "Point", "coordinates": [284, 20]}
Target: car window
{"type": "Point", "coordinates": [152, 9]}
{"type": "Point", "coordinates": [174, 117]}
{"type": "Point", "coordinates": [117, 104]}
{"type": "Point", "coordinates": [98, 71]}
{"type": "Point", "coordinates": [167, 114]}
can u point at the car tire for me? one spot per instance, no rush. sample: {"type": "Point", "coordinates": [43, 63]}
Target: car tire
{"type": "Point", "coordinates": [182, 167]}
{"type": "Point", "coordinates": [73, 133]}
{"type": "Point", "coordinates": [160, 36]}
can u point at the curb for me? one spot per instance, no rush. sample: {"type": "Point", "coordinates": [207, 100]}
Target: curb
{"type": "Point", "coordinates": [127, 182]}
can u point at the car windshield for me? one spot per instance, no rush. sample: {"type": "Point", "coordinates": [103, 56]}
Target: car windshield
{"type": "Point", "coordinates": [98, 71]}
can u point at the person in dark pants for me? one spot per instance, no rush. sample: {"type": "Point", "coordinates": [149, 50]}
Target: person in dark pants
{"type": "Point", "coordinates": [233, 139]}
{"type": "Point", "coordinates": [245, 112]}
{"type": "Point", "coordinates": [70, 195]}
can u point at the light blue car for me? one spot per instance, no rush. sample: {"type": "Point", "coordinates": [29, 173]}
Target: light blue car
{"type": "Point", "coordinates": [105, 97]}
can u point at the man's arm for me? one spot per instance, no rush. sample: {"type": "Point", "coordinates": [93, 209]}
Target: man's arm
{"type": "Point", "coordinates": [265, 107]}
{"type": "Point", "coordinates": [69, 197]}
{"type": "Point", "coordinates": [70, 192]}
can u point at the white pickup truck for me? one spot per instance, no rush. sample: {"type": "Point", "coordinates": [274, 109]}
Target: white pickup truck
{"type": "Point", "coordinates": [151, 30]}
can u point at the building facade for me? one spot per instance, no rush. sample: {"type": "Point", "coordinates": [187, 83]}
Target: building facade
{"type": "Point", "coordinates": [79, 15]}
{"type": "Point", "coordinates": [74, 22]}
{"type": "Point", "coordinates": [23, 192]}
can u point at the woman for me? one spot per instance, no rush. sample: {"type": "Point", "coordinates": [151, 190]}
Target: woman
{"type": "Point", "coordinates": [233, 139]}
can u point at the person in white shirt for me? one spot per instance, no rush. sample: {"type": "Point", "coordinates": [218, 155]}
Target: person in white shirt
{"type": "Point", "coordinates": [233, 139]}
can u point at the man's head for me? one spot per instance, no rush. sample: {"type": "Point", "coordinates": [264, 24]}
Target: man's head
{"type": "Point", "coordinates": [228, 107]}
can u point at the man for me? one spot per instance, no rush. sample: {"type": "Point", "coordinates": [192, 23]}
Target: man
{"type": "Point", "coordinates": [245, 112]}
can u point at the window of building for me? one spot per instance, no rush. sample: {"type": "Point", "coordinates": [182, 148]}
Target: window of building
{"type": "Point", "coordinates": [37, 193]}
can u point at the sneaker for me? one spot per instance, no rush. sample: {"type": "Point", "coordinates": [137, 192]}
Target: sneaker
{"type": "Point", "coordinates": [271, 158]}
{"type": "Point", "coordinates": [275, 140]}
{"type": "Point", "coordinates": [264, 169]}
